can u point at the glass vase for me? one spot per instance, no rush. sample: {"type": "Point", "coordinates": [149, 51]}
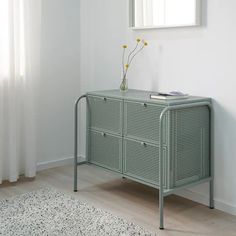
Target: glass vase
{"type": "Point", "coordinates": [124, 85]}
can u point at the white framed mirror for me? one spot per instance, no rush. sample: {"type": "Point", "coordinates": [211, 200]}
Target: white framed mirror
{"type": "Point", "coordinates": [147, 14]}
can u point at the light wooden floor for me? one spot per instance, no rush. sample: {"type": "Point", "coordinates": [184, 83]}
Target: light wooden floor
{"type": "Point", "coordinates": [132, 201]}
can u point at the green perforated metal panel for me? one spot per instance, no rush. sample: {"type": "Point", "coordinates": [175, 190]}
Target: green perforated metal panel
{"type": "Point", "coordinates": [141, 121]}
{"type": "Point", "coordinates": [141, 160]}
{"type": "Point", "coordinates": [105, 114]}
{"type": "Point", "coordinates": [190, 144]}
{"type": "Point", "coordinates": [131, 119]}
{"type": "Point", "coordinates": [105, 150]}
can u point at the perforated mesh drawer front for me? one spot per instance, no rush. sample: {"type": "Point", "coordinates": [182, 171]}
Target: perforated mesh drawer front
{"type": "Point", "coordinates": [141, 121]}
{"type": "Point", "coordinates": [190, 129]}
{"type": "Point", "coordinates": [105, 114]}
{"type": "Point", "coordinates": [141, 160]}
{"type": "Point", "coordinates": [105, 150]}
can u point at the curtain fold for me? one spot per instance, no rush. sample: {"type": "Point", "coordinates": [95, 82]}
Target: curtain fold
{"type": "Point", "coordinates": [144, 12]}
{"type": "Point", "coordinates": [20, 30]}
{"type": "Point", "coordinates": [150, 12]}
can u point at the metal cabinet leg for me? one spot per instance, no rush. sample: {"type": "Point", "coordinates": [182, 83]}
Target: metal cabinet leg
{"type": "Point", "coordinates": [211, 183]}
{"type": "Point", "coordinates": [161, 171]}
{"type": "Point", "coordinates": [76, 143]}
{"type": "Point", "coordinates": [211, 190]}
{"type": "Point", "coordinates": [161, 206]}
{"type": "Point", "coordinates": [75, 174]}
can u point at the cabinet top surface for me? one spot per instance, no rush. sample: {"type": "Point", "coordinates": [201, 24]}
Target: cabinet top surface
{"type": "Point", "coordinates": [141, 95]}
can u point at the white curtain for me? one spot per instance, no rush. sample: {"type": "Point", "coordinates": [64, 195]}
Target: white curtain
{"type": "Point", "coordinates": [150, 12]}
{"type": "Point", "coordinates": [144, 10]}
{"type": "Point", "coordinates": [20, 24]}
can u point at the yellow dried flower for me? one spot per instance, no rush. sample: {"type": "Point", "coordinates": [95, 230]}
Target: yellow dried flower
{"type": "Point", "coordinates": [145, 43]}
{"type": "Point", "coordinates": [125, 46]}
{"type": "Point", "coordinates": [127, 66]}
{"type": "Point", "coordinates": [138, 40]}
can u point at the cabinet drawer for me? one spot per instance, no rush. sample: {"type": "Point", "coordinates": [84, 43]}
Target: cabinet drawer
{"type": "Point", "coordinates": [105, 114]}
{"type": "Point", "coordinates": [141, 161]}
{"type": "Point", "coordinates": [105, 150]}
{"type": "Point", "coordinates": [141, 121]}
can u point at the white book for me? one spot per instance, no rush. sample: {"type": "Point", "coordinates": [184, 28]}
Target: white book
{"type": "Point", "coordinates": [169, 96]}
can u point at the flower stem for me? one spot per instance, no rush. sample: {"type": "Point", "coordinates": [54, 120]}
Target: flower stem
{"type": "Point", "coordinates": [132, 52]}
{"type": "Point", "coordinates": [123, 65]}
{"type": "Point", "coordinates": [132, 58]}
{"type": "Point", "coordinates": [136, 54]}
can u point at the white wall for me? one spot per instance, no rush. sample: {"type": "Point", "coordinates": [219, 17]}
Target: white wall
{"type": "Point", "coordinates": [199, 61]}
{"type": "Point", "coordinates": [59, 84]}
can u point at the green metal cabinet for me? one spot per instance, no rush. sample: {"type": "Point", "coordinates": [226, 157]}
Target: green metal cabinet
{"type": "Point", "coordinates": [164, 144]}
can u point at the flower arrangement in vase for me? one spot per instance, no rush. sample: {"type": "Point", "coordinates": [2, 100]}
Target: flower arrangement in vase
{"type": "Point", "coordinates": [140, 44]}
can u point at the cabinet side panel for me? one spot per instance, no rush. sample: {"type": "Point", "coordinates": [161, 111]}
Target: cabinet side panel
{"type": "Point", "coordinates": [190, 144]}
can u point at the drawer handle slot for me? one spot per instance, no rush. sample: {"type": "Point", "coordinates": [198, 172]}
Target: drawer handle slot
{"type": "Point", "coordinates": [144, 144]}
{"type": "Point", "coordinates": [104, 99]}
{"type": "Point", "coordinates": [103, 134]}
{"type": "Point", "coordinates": [144, 104]}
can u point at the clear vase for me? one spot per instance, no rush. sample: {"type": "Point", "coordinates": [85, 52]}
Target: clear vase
{"type": "Point", "coordinates": [124, 85]}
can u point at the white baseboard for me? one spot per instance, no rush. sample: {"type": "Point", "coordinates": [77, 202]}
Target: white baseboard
{"type": "Point", "coordinates": [186, 193]}
{"type": "Point", "coordinates": [57, 163]}
{"type": "Point", "coordinates": [197, 197]}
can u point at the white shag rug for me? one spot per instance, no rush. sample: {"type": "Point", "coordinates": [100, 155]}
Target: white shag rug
{"type": "Point", "coordinates": [52, 213]}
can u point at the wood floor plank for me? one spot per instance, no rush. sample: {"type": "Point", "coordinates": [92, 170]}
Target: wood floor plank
{"type": "Point", "coordinates": [130, 200]}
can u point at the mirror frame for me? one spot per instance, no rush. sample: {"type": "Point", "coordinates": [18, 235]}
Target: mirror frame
{"type": "Point", "coordinates": [198, 19]}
